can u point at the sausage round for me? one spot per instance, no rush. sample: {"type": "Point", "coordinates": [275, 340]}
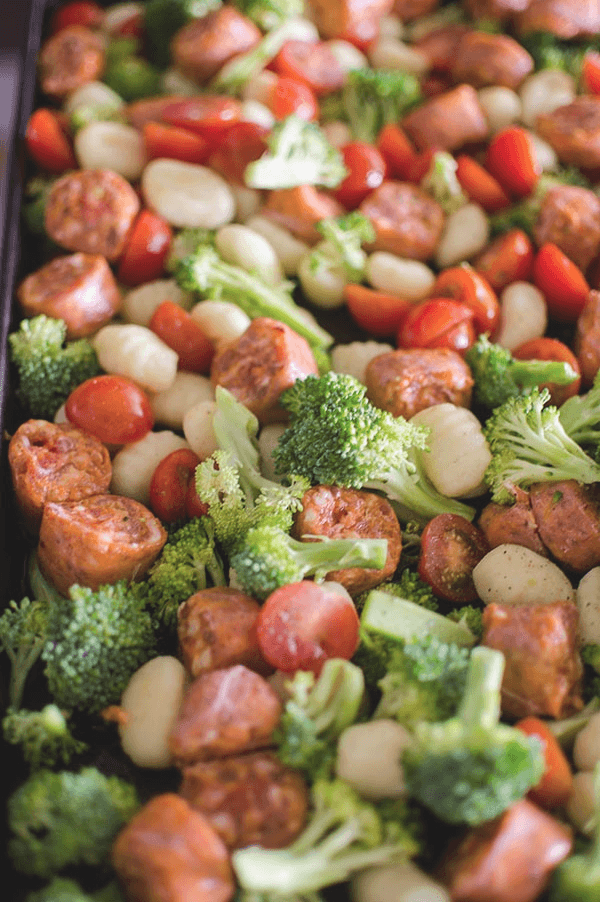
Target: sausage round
{"type": "Point", "coordinates": [299, 209]}
{"type": "Point", "coordinates": [573, 131]}
{"type": "Point", "coordinates": [349, 19]}
{"type": "Point", "coordinates": [587, 338]}
{"type": "Point", "coordinates": [98, 541]}
{"type": "Point", "coordinates": [440, 45]}
{"type": "Point", "coordinates": [407, 221]}
{"type": "Point", "coordinates": [448, 121]}
{"type": "Point", "coordinates": [511, 524]}
{"type": "Point", "coordinates": [204, 45]}
{"type": "Point", "coordinates": [91, 210]}
{"type": "Point", "coordinates": [490, 59]}
{"type": "Point", "coordinates": [69, 59]}
{"type": "Point", "coordinates": [570, 218]}
{"type": "Point", "coordinates": [79, 289]}
{"type": "Point", "coordinates": [564, 18]}
{"type": "Point", "coordinates": [568, 519]}
{"type": "Point", "coordinates": [55, 462]}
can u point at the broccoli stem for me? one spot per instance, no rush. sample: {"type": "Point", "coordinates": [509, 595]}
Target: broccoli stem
{"type": "Point", "coordinates": [337, 554]}
{"type": "Point", "coordinates": [22, 663]}
{"type": "Point", "coordinates": [480, 706]}
{"type": "Point", "coordinates": [580, 415]}
{"type": "Point", "coordinates": [528, 373]}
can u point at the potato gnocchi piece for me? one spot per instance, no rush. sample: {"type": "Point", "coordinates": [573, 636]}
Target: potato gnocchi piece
{"type": "Point", "coordinates": [586, 748]}
{"type": "Point", "coordinates": [268, 439]}
{"type": "Point", "coordinates": [323, 285]}
{"type": "Point", "coordinates": [513, 574]}
{"type": "Point", "coordinates": [288, 248]}
{"type": "Point", "coordinates": [111, 145]}
{"type": "Point", "coordinates": [523, 315]}
{"type": "Point", "coordinates": [134, 464]}
{"type": "Point", "coordinates": [170, 406]}
{"type": "Point", "coordinates": [588, 602]}
{"type": "Point", "coordinates": [580, 808]}
{"type": "Point", "coordinates": [354, 358]}
{"type": "Point", "coordinates": [198, 428]}
{"type": "Point", "coordinates": [140, 303]}
{"type": "Point", "coordinates": [221, 321]}
{"type": "Point", "coordinates": [409, 279]}
{"type": "Point", "coordinates": [187, 195]}
{"type": "Point", "coordinates": [466, 232]}
{"type": "Point", "coordinates": [401, 882]}
{"type": "Point", "coordinates": [139, 354]}
{"type": "Point", "coordinates": [250, 250]}
{"type": "Point", "coordinates": [368, 758]}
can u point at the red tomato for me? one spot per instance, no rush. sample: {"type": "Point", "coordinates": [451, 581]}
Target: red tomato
{"type": "Point", "coordinates": [312, 63]}
{"type": "Point", "coordinates": [193, 506]}
{"type": "Point", "coordinates": [555, 787]}
{"type": "Point", "coordinates": [509, 258]}
{"type": "Point", "coordinates": [303, 624]}
{"type": "Point", "coordinates": [146, 250]}
{"type": "Point", "coordinates": [174, 143]}
{"type": "Point", "coordinates": [366, 171]}
{"type": "Point", "coordinates": [170, 483]}
{"type": "Point", "coordinates": [397, 151]}
{"type": "Point", "coordinates": [113, 408]}
{"type": "Point", "coordinates": [181, 332]}
{"type": "Point", "coordinates": [464, 284]}
{"type": "Point", "coordinates": [481, 187]}
{"type": "Point", "coordinates": [420, 166]}
{"type": "Point", "coordinates": [552, 349]}
{"type": "Point", "coordinates": [450, 549]}
{"type": "Point", "coordinates": [561, 282]}
{"type": "Point", "coordinates": [47, 144]}
{"type": "Point", "coordinates": [438, 323]}
{"type": "Point", "coordinates": [242, 143]}
{"type": "Point", "coordinates": [208, 115]}
{"type": "Point", "coordinates": [512, 159]}
{"type": "Point", "coordinates": [80, 12]}
{"type": "Point", "coordinates": [291, 96]}
{"type": "Point", "coordinates": [591, 72]}
{"type": "Point", "coordinates": [376, 312]}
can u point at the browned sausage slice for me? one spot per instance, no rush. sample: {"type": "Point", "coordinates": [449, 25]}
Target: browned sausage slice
{"type": "Point", "coordinates": [490, 59]}
{"type": "Point", "coordinates": [440, 45]}
{"type": "Point", "coordinates": [573, 131]}
{"type": "Point", "coordinates": [249, 799]}
{"type": "Point", "coordinates": [543, 670]}
{"type": "Point", "coordinates": [512, 524]}
{"type": "Point", "coordinates": [299, 209]}
{"type": "Point", "coordinates": [169, 852]}
{"type": "Point", "coordinates": [564, 18]}
{"type": "Point", "coordinates": [587, 338]}
{"type": "Point", "coordinates": [204, 45]}
{"type": "Point", "coordinates": [407, 221]}
{"type": "Point", "coordinates": [570, 218]}
{"type": "Point", "coordinates": [409, 380]}
{"type": "Point", "coordinates": [448, 121]}
{"type": "Point", "coordinates": [50, 462]}
{"type": "Point", "coordinates": [349, 19]}
{"type": "Point", "coordinates": [91, 210]}
{"type": "Point", "coordinates": [79, 288]}
{"type": "Point", "coordinates": [568, 519]}
{"type": "Point", "coordinates": [98, 541]}
{"type": "Point", "coordinates": [340, 513]}
{"type": "Point", "coordinates": [69, 59]}
{"type": "Point", "coordinates": [224, 712]}
{"type": "Point", "coordinates": [265, 360]}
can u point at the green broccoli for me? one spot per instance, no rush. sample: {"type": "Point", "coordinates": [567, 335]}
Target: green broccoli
{"type": "Point", "coordinates": [23, 634]}
{"type": "Point", "coordinates": [551, 52]}
{"type": "Point", "coordinates": [372, 98]}
{"type": "Point", "coordinates": [162, 18]}
{"type": "Point", "coordinates": [85, 114]}
{"type": "Point", "coordinates": [577, 878]}
{"type": "Point", "coordinates": [344, 835]}
{"type": "Point", "coordinates": [96, 640]}
{"type": "Point", "coordinates": [529, 444]}
{"type": "Point", "coordinates": [442, 184]}
{"type": "Point", "coordinates": [469, 616]}
{"type": "Point", "coordinates": [44, 736]}
{"type": "Point", "coordinates": [499, 376]}
{"type": "Point", "coordinates": [317, 710]}
{"type": "Point", "coordinates": [337, 437]}
{"type": "Point", "coordinates": [269, 14]}
{"type": "Point", "coordinates": [48, 369]}
{"type": "Point", "coordinates": [524, 214]}
{"type": "Point", "coordinates": [33, 209]}
{"type": "Point", "coordinates": [580, 416]}
{"type": "Point", "coordinates": [590, 655]}
{"type": "Point", "coordinates": [470, 768]}
{"type": "Point", "coordinates": [344, 237]}
{"type": "Point", "coordinates": [132, 78]}
{"type": "Point", "coordinates": [62, 819]}
{"type": "Point", "coordinates": [64, 889]}
{"type": "Point", "coordinates": [187, 242]}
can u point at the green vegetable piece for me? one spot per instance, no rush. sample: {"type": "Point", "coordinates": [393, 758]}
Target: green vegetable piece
{"type": "Point", "coordinates": [133, 78]}
{"type": "Point", "coordinates": [577, 878]}
{"type": "Point", "coordinates": [269, 14]}
{"type": "Point", "coordinates": [344, 237]}
{"type": "Point", "coordinates": [442, 184]}
{"type": "Point", "coordinates": [44, 736]}
{"type": "Point", "coordinates": [23, 633]}
{"type": "Point", "coordinates": [580, 416]}
{"type": "Point", "coordinates": [162, 18]}
{"type": "Point", "coordinates": [372, 98]}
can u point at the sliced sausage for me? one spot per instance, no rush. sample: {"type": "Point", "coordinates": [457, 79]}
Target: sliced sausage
{"type": "Point", "coordinates": [299, 209]}
{"type": "Point", "coordinates": [573, 130]}
{"type": "Point", "coordinates": [408, 380]}
{"type": "Point", "coordinates": [91, 210]}
{"type": "Point", "coordinates": [570, 218]}
{"type": "Point", "coordinates": [70, 59]}
{"type": "Point", "coordinates": [169, 852]}
{"type": "Point", "coordinates": [495, 9]}
{"type": "Point", "coordinates": [150, 109]}
{"type": "Point", "coordinates": [217, 628]}
{"type": "Point", "coordinates": [440, 46]}
{"type": "Point", "coordinates": [564, 18]}
{"type": "Point", "coordinates": [249, 799]}
{"type": "Point", "coordinates": [55, 462]}
{"type": "Point", "coordinates": [258, 366]}
{"type": "Point", "coordinates": [587, 338]}
{"type": "Point", "coordinates": [568, 519]}
{"type": "Point", "coordinates": [79, 289]}
{"type": "Point", "coordinates": [543, 670]}
{"type": "Point", "coordinates": [508, 859]}
{"type": "Point", "coordinates": [407, 221]}
{"type": "Point", "coordinates": [98, 541]}
{"type": "Point", "coordinates": [224, 712]}
{"type": "Point", "coordinates": [512, 524]}
{"type": "Point", "coordinates": [490, 59]}
{"type": "Point", "coordinates": [204, 45]}
{"type": "Point", "coordinates": [448, 121]}
{"type": "Point", "coordinates": [340, 513]}
{"type": "Point", "coordinates": [407, 10]}
{"type": "Point", "coordinates": [349, 19]}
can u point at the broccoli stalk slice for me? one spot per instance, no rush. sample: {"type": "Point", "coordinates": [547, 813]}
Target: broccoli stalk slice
{"type": "Point", "coordinates": [23, 633]}
{"type": "Point", "coordinates": [577, 878]}
{"type": "Point", "coordinates": [580, 415]}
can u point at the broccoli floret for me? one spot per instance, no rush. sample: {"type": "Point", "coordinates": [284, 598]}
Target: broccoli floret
{"type": "Point", "coordinates": [23, 633]}
{"type": "Point", "coordinates": [96, 641]}
{"type": "Point", "coordinates": [317, 710]}
{"type": "Point", "coordinates": [580, 416]}
{"type": "Point", "coordinates": [48, 369]}
{"type": "Point", "coordinates": [499, 376]}
{"type": "Point", "coordinates": [64, 889]}
{"type": "Point", "coordinates": [33, 209]}
{"type": "Point", "coordinates": [529, 444]}
{"type": "Point", "coordinates": [61, 819]}
{"type": "Point", "coordinates": [269, 14]}
{"type": "Point", "coordinates": [470, 616]}
{"type": "Point", "coordinates": [410, 586]}
{"type": "Point", "coordinates": [470, 768]}
{"type": "Point", "coordinates": [590, 655]}
{"type": "Point", "coordinates": [577, 878]}
{"type": "Point", "coordinates": [337, 437]}
{"type": "Point", "coordinates": [550, 52]}
{"type": "Point", "coordinates": [372, 98]}
{"type": "Point", "coordinates": [524, 214]}
{"type": "Point", "coordinates": [44, 736]}
{"type": "Point", "coordinates": [162, 18]}
{"type": "Point", "coordinates": [187, 242]}
{"type": "Point", "coordinates": [133, 78]}
{"type": "Point", "coordinates": [344, 835]}
{"type": "Point", "coordinates": [442, 184]}
{"type": "Point", "coordinates": [344, 237]}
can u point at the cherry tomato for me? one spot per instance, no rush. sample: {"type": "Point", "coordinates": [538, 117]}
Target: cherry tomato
{"type": "Point", "coordinates": [555, 787]}
{"type": "Point", "coordinates": [170, 483]}
{"type": "Point", "coordinates": [80, 12]}
{"type": "Point", "coordinates": [481, 187]}
{"type": "Point", "coordinates": [47, 144]}
{"type": "Point", "coordinates": [450, 549]}
{"type": "Point", "coordinates": [193, 506]}
{"type": "Point", "coordinates": [181, 332]}
{"type": "Point", "coordinates": [512, 160]}
{"type": "Point", "coordinates": [561, 282]}
{"type": "Point", "coordinates": [591, 72]}
{"type": "Point", "coordinates": [366, 171]}
{"type": "Point", "coordinates": [208, 115]}
{"type": "Point", "coordinates": [464, 284]}
{"type": "Point", "coordinates": [509, 258]}
{"type": "Point", "coordinates": [312, 63]}
{"type": "Point", "coordinates": [146, 250]}
{"type": "Point", "coordinates": [113, 408]}
{"type": "Point", "coordinates": [438, 323]}
{"type": "Point", "coordinates": [292, 96]}
{"type": "Point", "coordinates": [420, 166]}
{"type": "Point", "coordinates": [374, 311]}
{"type": "Point", "coordinates": [303, 624]}
{"type": "Point", "coordinates": [174, 143]}
{"type": "Point", "coordinates": [397, 151]}
{"type": "Point", "coordinates": [241, 144]}
{"type": "Point", "coordinates": [552, 349]}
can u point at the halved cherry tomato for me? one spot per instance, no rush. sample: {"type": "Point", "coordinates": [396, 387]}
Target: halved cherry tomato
{"type": "Point", "coordinates": [366, 171]}
{"type": "Point", "coordinates": [170, 483]}
{"type": "Point", "coordinates": [481, 187]}
{"type": "Point", "coordinates": [374, 311]}
{"type": "Point", "coordinates": [312, 63]}
{"type": "Point", "coordinates": [438, 323]}
{"type": "Point", "coordinates": [561, 282]}
{"type": "Point", "coordinates": [208, 115]}
{"type": "Point", "coordinates": [556, 784]}
{"type": "Point", "coordinates": [46, 142]}
{"type": "Point", "coordinates": [509, 258]}
{"type": "Point", "coordinates": [241, 144]}
{"type": "Point", "coordinates": [512, 160]}
{"type": "Point", "coordinates": [146, 250]}
{"type": "Point", "coordinates": [420, 165]}
{"type": "Point", "coordinates": [174, 143]}
{"type": "Point", "coordinates": [80, 12]}
{"type": "Point", "coordinates": [397, 151]}
{"type": "Point", "coordinates": [193, 506]}
{"type": "Point", "coordinates": [303, 624]}
{"type": "Point", "coordinates": [546, 348]}
{"type": "Point", "coordinates": [590, 72]}
{"type": "Point", "coordinates": [113, 408]}
{"type": "Point", "coordinates": [181, 332]}
{"type": "Point", "coordinates": [292, 96]}
{"type": "Point", "coordinates": [464, 284]}
{"type": "Point", "coordinates": [451, 547]}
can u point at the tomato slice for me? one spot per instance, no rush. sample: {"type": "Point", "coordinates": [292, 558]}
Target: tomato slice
{"type": "Point", "coordinates": [512, 160]}
{"type": "Point", "coordinates": [302, 625]}
{"type": "Point", "coordinates": [208, 115]}
{"type": "Point", "coordinates": [146, 250]}
{"type": "Point", "coordinates": [113, 408]}
{"type": "Point", "coordinates": [314, 64]}
{"type": "Point", "coordinates": [181, 332]}
{"type": "Point", "coordinates": [174, 143]}
{"type": "Point", "coordinates": [374, 311]}
{"type": "Point", "coordinates": [546, 348]}
{"type": "Point", "coordinates": [397, 151]}
{"type": "Point", "coordinates": [47, 144]}
{"type": "Point", "coordinates": [464, 284]}
{"type": "Point", "coordinates": [481, 187]}
{"type": "Point", "coordinates": [170, 484]}
{"type": "Point", "coordinates": [590, 72]}
{"type": "Point", "coordinates": [438, 323]}
{"type": "Point", "coordinates": [292, 96]}
{"type": "Point", "coordinates": [561, 282]}
{"type": "Point", "coordinates": [242, 143]}
{"type": "Point", "coordinates": [509, 258]}
{"type": "Point", "coordinates": [366, 171]}
{"type": "Point", "coordinates": [80, 12]}
{"type": "Point", "coordinates": [451, 547]}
